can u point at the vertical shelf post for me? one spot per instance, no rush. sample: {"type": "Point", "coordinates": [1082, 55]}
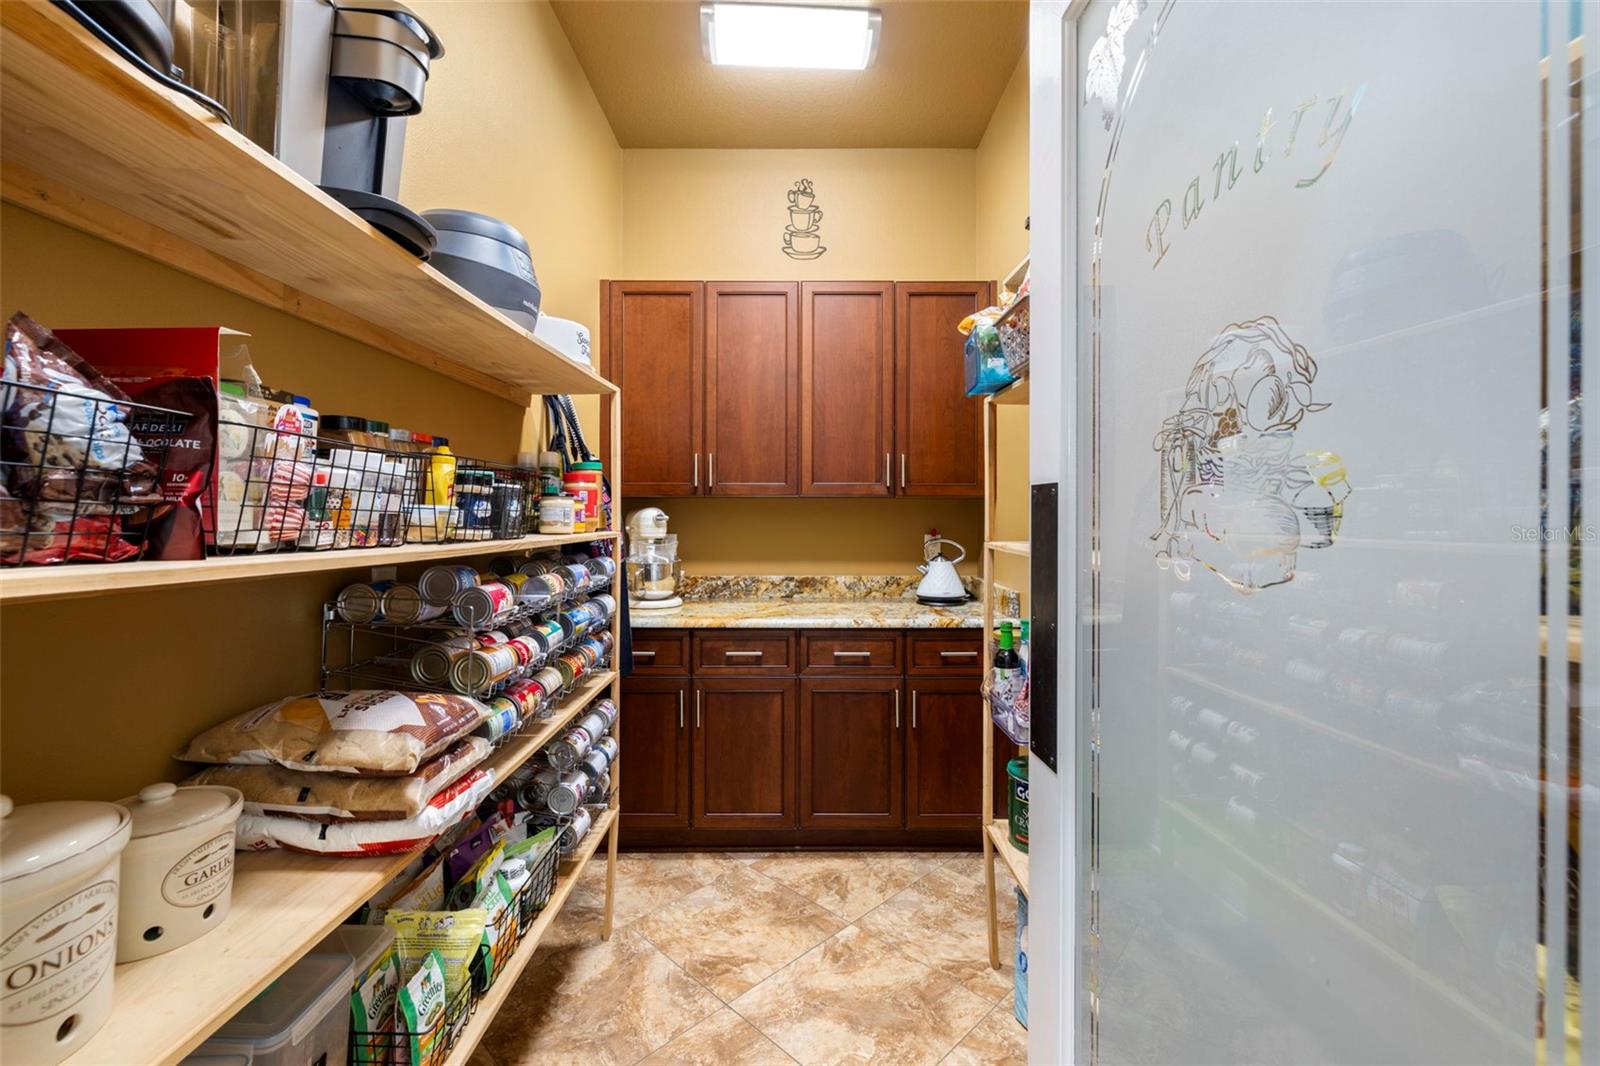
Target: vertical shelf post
{"type": "Point", "coordinates": [619, 589]}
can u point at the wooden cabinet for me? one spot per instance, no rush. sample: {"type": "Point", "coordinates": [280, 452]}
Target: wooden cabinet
{"type": "Point", "coordinates": [752, 408]}
{"type": "Point", "coordinates": [744, 753]}
{"type": "Point", "coordinates": [846, 388]}
{"type": "Point", "coordinates": [937, 427]}
{"type": "Point", "coordinates": [850, 752]}
{"type": "Point", "coordinates": [944, 781]}
{"type": "Point", "coordinates": [658, 752]}
{"type": "Point", "coordinates": [654, 347]}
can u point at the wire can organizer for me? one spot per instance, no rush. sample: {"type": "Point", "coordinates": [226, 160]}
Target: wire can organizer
{"type": "Point", "coordinates": [83, 479]}
{"type": "Point", "coordinates": [432, 1044]}
{"type": "Point", "coordinates": [1014, 332]}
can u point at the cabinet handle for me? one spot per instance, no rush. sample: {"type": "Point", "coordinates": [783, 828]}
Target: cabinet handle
{"type": "Point", "coordinates": [902, 470]}
{"type": "Point", "coordinates": [913, 708]}
{"type": "Point", "coordinates": [697, 708]}
{"type": "Point", "coordinates": [680, 708]}
{"type": "Point", "coordinates": [852, 655]}
{"type": "Point", "coordinates": [711, 470]}
{"type": "Point", "coordinates": [697, 471]}
{"type": "Point", "coordinates": [888, 478]}
{"type": "Point", "coordinates": [897, 708]}
{"type": "Point", "coordinates": [952, 654]}
{"type": "Point", "coordinates": [638, 654]}
{"type": "Point", "coordinates": [743, 654]}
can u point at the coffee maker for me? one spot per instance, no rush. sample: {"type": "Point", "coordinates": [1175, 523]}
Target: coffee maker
{"type": "Point", "coordinates": [653, 566]}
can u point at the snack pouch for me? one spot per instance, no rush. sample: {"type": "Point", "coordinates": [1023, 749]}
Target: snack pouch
{"type": "Point", "coordinates": [466, 890]}
{"type": "Point", "coordinates": [372, 1007]}
{"type": "Point", "coordinates": [454, 935]}
{"type": "Point", "coordinates": [421, 1011]}
{"type": "Point", "coordinates": [498, 931]}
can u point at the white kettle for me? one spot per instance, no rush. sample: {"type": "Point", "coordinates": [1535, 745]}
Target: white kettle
{"type": "Point", "coordinates": [940, 586]}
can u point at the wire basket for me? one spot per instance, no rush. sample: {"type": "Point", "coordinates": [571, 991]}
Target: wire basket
{"type": "Point", "coordinates": [81, 476]}
{"type": "Point", "coordinates": [1014, 331]}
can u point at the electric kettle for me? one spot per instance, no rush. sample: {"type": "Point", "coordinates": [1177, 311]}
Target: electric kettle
{"type": "Point", "coordinates": [940, 586]}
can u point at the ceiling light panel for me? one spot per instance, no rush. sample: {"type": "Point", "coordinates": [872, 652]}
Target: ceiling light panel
{"type": "Point", "coordinates": [789, 37]}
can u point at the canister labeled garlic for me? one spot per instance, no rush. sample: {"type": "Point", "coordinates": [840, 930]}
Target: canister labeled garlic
{"type": "Point", "coordinates": [177, 874]}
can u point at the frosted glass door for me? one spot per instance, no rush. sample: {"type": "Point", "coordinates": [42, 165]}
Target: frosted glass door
{"type": "Point", "coordinates": [1313, 357]}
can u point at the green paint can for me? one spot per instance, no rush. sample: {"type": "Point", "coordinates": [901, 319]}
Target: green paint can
{"type": "Point", "coordinates": [1017, 805]}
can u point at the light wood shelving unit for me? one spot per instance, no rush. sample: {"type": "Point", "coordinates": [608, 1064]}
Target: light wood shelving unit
{"type": "Point", "coordinates": [996, 827]}
{"type": "Point", "coordinates": [284, 903]}
{"type": "Point", "coordinates": [91, 143]}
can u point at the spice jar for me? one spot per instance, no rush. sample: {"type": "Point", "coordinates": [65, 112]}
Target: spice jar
{"type": "Point", "coordinates": [177, 872]}
{"type": "Point", "coordinates": [59, 874]}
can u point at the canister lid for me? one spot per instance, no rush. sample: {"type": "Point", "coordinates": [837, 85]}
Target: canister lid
{"type": "Point", "coordinates": [39, 835]}
{"type": "Point", "coordinates": [164, 807]}
{"type": "Point", "coordinates": [344, 423]}
{"type": "Point", "coordinates": [588, 466]}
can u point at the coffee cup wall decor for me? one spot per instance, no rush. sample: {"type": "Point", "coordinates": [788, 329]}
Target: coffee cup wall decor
{"type": "Point", "coordinates": [801, 239]}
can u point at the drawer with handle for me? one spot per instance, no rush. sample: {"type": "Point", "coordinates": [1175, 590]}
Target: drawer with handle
{"type": "Point", "coordinates": [725, 651]}
{"type": "Point", "coordinates": [660, 651]}
{"type": "Point", "coordinates": [850, 651]}
{"type": "Point", "coordinates": [944, 651]}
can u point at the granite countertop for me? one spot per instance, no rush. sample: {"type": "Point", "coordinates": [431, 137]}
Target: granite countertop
{"type": "Point", "coordinates": [805, 603]}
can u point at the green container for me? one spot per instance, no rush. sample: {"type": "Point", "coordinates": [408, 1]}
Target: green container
{"type": "Point", "coordinates": [1017, 805]}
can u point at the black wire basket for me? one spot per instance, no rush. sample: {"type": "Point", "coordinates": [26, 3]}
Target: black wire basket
{"type": "Point", "coordinates": [81, 477]}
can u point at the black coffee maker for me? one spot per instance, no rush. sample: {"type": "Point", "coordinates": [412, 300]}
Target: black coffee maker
{"type": "Point", "coordinates": [376, 76]}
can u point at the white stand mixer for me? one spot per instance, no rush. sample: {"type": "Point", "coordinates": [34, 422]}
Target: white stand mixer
{"type": "Point", "coordinates": [653, 567]}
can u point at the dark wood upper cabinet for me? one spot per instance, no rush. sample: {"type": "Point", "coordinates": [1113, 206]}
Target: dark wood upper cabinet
{"type": "Point", "coordinates": [653, 348]}
{"type": "Point", "coordinates": [938, 428]}
{"type": "Point", "coordinates": [846, 388]}
{"type": "Point", "coordinates": [752, 388]}
{"type": "Point", "coordinates": [850, 753]}
{"type": "Point", "coordinates": [744, 753]}
{"type": "Point", "coordinates": [944, 773]}
{"type": "Point", "coordinates": [657, 730]}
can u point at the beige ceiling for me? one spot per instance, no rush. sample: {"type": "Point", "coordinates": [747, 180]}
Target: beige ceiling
{"type": "Point", "coordinates": [941, 67]}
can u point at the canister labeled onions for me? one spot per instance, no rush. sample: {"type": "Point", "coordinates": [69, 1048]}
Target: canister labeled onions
{"type": "Point", "coordinates": [60, 865]}
{"type": "Point", "coordinates": [177, 872]}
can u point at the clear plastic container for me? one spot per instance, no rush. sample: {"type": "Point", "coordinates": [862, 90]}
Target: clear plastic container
{"type": "Point", "coordinates": [302, 1017]}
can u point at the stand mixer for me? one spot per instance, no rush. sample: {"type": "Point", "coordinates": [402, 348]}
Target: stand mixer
{"type": "Point", "coordinates": [653, 567]}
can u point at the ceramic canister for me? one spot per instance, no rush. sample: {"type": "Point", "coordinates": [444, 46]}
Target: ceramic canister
{"type": "Point", "coordinates": [59, 869]}
{"type": "Point", "coordinates": [177, 874]}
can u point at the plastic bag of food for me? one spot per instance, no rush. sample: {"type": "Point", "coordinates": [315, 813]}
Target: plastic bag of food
{"type": "Point", "coordinates": [985, 361]}
{"type": "Point", "coordinates": [260, 832]}
{"type": "Point", "coordinates": [423, 1005]}
{"type": "Point", "coordinates": [455, 935]}
{"type": "Point", "coordinates": [364, 731]}
{"type": "Point", "coordinates": [341, 797]}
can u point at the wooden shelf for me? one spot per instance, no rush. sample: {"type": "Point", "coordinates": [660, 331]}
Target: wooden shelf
{"type": "Point", "coordinates": [22, 584]}
{"type": "Point", "coordinates": [1015, 858]}
{"type": "Point", "coordinates": [1013, 395]}
{"type": "Point", "coordinates": [484, 1012]}
{"type": "Point", "coordinates": [1009, 547]}
{"type": "Point", "coordinates": [284, 903]}
{"type": "Point", "coordinates": [92, 143]}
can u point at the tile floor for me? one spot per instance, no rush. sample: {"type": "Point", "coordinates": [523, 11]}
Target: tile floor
{"type": "Point", "coordinates": [749, 959]}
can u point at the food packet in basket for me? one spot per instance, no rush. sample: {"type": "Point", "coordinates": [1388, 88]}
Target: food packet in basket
{"type": "Point", "coordinates": [455, 935]}
{"type": "Point", "coordinates": [364, 731]}
{"type": "Point", "coordinates": [372, 1008]}
{"type": "Point", "coordinates": [420, 1013]}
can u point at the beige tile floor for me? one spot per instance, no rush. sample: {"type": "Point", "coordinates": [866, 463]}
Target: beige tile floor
{"type": "Point", "coordinates": [739, 958]}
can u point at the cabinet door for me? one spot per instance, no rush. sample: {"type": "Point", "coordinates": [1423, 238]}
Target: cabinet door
{"type": "Point", "coordinates": [752, 388]}
{"type": "Point", "coordinates": [938, 428]}
{"type": "Point", "coordinates": [846, 388]}
{"type": "Point", "coordinates": [944, 767]}
{"type": "Point", "coordinates": [744, 753]}
{"type": "Point", "coordinates": [658, 752]}
{"type": "Point", "coordinates": [653, 348]}
{"type": "Point", "coordinates": [850, 753]}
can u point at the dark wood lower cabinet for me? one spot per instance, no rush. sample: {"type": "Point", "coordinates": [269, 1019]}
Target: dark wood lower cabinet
{"type": "Point", "coordinates": [944, 768]}
{"type": "Point", "coordinates": [850, 752]}
{"type": "Point", "coordinates": [744, 753]}
{"type": "Point", "coordinates": [658, 751]}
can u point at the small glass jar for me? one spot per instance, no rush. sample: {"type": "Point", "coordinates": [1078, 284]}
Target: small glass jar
{"type": "Point", "coordinates": [557, 514]}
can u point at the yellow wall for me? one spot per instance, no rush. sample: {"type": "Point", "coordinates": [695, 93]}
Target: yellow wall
{"type": "Point", "coordinates": [888, 214]}
{"type": "Point", "coordinates": [96, 693]}
{"type": "Point", "coordinates": [1002, 205]}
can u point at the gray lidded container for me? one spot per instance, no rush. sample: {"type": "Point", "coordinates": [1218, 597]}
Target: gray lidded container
{"type": "Point", "coordinates": [489, 259]}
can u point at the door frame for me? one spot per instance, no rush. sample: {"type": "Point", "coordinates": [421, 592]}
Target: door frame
{"type": "Point", "coordinates": [890, 819]}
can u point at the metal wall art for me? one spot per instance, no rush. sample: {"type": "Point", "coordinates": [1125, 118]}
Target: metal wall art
{"type": "Point", "coordinates": [801, 239]}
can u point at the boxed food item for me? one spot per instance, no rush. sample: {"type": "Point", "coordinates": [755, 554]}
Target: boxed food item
{"type": "Point", "coordinates": [363, 731]}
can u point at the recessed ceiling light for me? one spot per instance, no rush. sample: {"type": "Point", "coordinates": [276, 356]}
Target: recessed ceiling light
{"type": "Point", "coordinates": [789, 36]}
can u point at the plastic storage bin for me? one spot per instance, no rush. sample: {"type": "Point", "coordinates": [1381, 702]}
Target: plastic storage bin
{"type": "Point", "coordinates": [302, 1017]}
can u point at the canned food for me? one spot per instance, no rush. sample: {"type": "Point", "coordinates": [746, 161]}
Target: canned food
{"type": "Point", "coordinates": [529, 695]}
{"type": "Point", "coordinates": [527, 649]}
{"type": "Point", "coordinates": [605, 605]}
{"type": "Point", "coordinates": [602, 566]}
{"type": "Point", "coordinates": [593, 764]}
{"type": "Point", "coordinates": [533, 794]}
{"type": "Point", "coordinates": [577, 577]}
{"type": "Point", "coordinates": [565, 751]}
{"type": "Point", "coordinates": [595, 725]}
{"type": "Point", "coordinates": [607, 710]}
{"type": "Point", "coordinates": [504, 565]}
{"type": "Point", "coordinates": [568, 671]}
{"type": "Point", "coordinates": [550, 636]}
{"type": "Point", "coordinates": [431, 664]}
{"type": "Point", "coordinates": [441, 584]}
{"type": "Point", "coordinates": [480, 605]}
{"type": "Point", "coordinates": [575, 831]}
{"type": "Point", "coordinates": [478, 670]}
{"type": "Point", "coordinates": [566, 795]}
{"type": "Point", "coordinates": [403, 605]}
{"type": "Point", "coordinates": [535, 567]}
{"type": "Point", "coordinates": [599, 789]}
{"type": "Point", "coordinates": [550, 680]}
{"type": "Point", "coordinates": [505, 715]}
{"type": "Point", "coordinates": [608, 744]}
{"type": "Point", "coordinates": [363, 602]}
